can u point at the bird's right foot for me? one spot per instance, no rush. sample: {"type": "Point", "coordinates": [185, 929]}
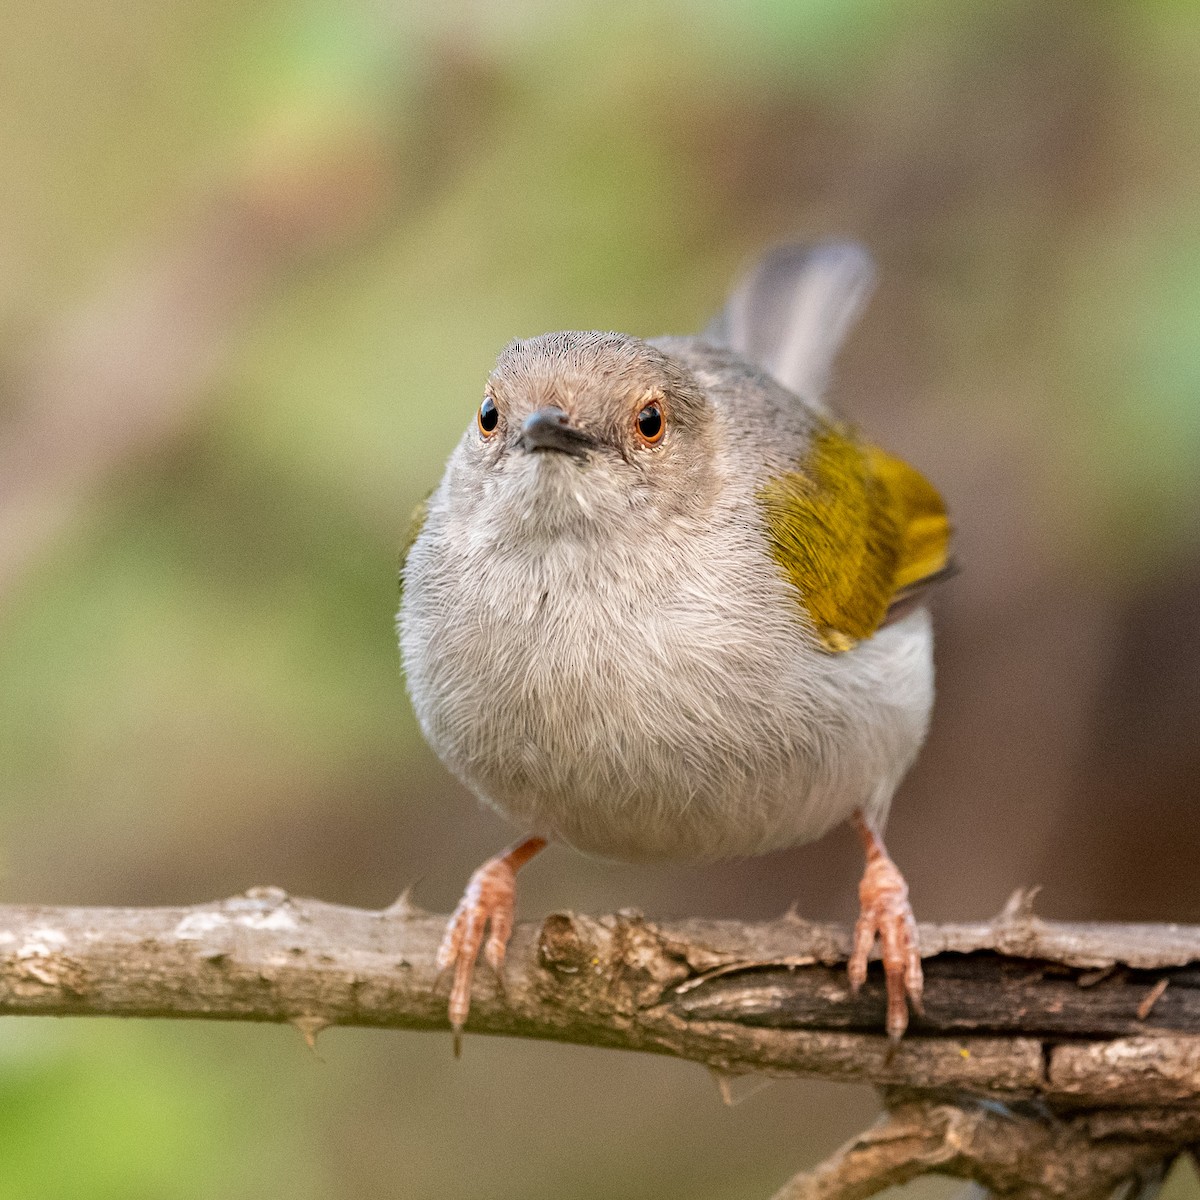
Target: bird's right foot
{"type": "Point", "coordinates": [487, 908]}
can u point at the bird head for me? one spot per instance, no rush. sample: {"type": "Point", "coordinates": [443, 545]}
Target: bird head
{"type": "Point", "coordinates": [579, 432]}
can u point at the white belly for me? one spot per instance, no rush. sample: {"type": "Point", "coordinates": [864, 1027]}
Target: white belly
{"type": "Point", "coordinates": [637, 713]}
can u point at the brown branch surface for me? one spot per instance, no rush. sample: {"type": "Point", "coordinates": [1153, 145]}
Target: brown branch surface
{"type": "Point", "coordinates": [1074, 1016]}
{"type": "Point", "coordinates": [1020, 1156]}
{"type": "Point", "coordinates": [1052, 1060]}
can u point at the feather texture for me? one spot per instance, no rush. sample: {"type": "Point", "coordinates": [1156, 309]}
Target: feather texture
{"type": "Point", "coordinates": [631, 652]}
{"type": "Point", "coordinates": [854, 529]}
{"type": "Point", "coordinates": [790, 314]}
{"type": "Point", "coordinates": [416, 522]}
{"type": "Point", "coordinates": [606, 650]}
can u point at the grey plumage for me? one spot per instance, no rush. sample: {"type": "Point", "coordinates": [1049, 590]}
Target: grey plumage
{"type": "Point", "coordinates": [603, 649]}
{"type": "Point", "coordinates": [791, 312]}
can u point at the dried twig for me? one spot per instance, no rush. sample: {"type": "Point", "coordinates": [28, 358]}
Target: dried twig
{"type": "Point", "coordinates": [1020, 1155]}
{"type": "Point", "coordinates": [1046, 1024]}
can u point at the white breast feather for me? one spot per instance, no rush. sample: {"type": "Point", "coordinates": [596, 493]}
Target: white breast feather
{"type": "Point", "coordinates": [653, 696]}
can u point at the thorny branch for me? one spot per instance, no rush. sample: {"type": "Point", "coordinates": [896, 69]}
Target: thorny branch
{"type": "Point", "coordinates": [1052, 1059]}
{"type": "Point", "coordinates": [1010, 1152]}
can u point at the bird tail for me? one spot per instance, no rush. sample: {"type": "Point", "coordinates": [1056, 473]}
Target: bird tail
{"type": "Point", "coordinates": [791, 312]}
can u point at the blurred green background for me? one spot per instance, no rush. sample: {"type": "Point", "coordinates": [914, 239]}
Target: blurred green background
{"type": "Point", "coordinates": [256, 260]}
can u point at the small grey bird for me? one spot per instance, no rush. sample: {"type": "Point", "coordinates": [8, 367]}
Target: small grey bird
{"type": "Point", "coordinates": [665, 604]}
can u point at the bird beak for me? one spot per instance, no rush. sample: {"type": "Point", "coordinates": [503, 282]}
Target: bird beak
{"type": "Point", "coordinates": [551, 429]}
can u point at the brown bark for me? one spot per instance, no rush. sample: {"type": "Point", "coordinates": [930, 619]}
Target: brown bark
{"type": "Point", "coordinates": [1092, 1029]}
{"type": "Point", "coordinates": [1010, 1153]}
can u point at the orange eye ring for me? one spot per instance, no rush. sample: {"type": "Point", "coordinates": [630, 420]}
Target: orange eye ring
{"type": "Point", "coordinates": [487, 418]}
{"type": "Point", "coordinates": [650, 421]}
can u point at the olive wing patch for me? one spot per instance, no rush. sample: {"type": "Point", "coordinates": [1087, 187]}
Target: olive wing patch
{"type": "Point", "coordinates": [416, 522]}
{"type": "Point", "coordinates": [854, 529]}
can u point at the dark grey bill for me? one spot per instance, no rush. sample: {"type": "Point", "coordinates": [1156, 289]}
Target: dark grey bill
{"type": "Point", "coordinates": [551, 429]}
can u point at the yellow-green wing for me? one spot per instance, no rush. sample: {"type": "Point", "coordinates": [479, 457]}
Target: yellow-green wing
{"type": "Point", "coordinates": [416, 522]}
{"type": "Point", "coordinates": [855, 530]}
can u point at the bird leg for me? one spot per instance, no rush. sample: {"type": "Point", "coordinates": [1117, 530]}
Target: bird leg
{"type": "Point", "coordinates": [884, 910]}
{"type": "Point", "coordinates": [487, 906]}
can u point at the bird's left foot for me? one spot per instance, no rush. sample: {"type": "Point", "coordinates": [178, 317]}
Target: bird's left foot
{"type": "Point", "coordinates": [884, 912]}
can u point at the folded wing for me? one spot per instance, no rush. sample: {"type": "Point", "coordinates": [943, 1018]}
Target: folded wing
{"type": "Point", "coordinates": [858, 532]}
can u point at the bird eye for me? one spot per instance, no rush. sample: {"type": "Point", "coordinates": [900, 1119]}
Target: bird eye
{"type": "Point", "coordinates": [488, 417]}
{"type": "Point", "coordinates": [650, 423]}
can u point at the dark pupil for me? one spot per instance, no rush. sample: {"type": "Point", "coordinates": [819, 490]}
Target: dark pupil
{"type": "Point", "coordinates": [650, 421]}
{"type": "Point", "coordinates": [488, 416]}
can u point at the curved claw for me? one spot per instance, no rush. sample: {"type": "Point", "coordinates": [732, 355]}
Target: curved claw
{"type": "Point", "coordinates": [486, 908]}
{"type": "Point", "coordinates": [885, 912]}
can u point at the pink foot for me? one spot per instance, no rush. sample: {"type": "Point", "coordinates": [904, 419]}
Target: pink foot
{"type": "Point", "coordinates": [487, 908]}
{"type": "Point", "coordinates": [884, 911]}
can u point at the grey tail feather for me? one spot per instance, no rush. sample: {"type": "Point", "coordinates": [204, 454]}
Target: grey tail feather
{"type": "Point", "coordinates": [791, 312]}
